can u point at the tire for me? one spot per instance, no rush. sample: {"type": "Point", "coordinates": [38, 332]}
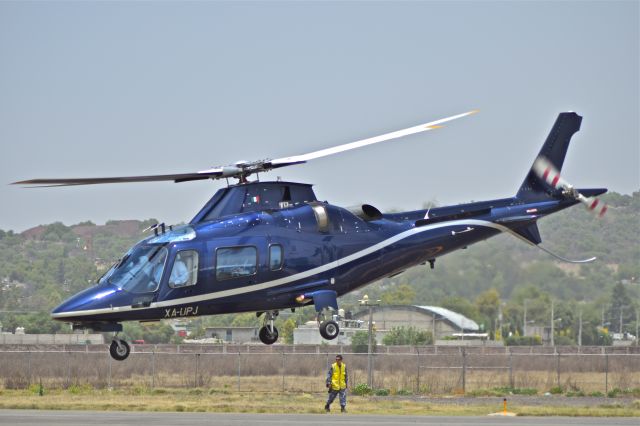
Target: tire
{"type": "Point", "coordinates": [121, 351]}
{"type": "Point", "coordinates": [267, 337]}
{"type": "Point", "coordinates": [329, 330]}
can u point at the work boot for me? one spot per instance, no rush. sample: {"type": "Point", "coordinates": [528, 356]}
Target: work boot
{"type": "Point", "coordinates": [343, 409]}
{"type": "Point", "coordinates": [326, 408]}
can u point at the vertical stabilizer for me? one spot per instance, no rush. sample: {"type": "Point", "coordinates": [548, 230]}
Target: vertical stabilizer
{"type": "Point", "coordinates": [554, 150]}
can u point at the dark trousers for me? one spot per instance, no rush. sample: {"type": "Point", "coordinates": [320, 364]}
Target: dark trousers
{"type": "Point", "coordinates": [334, 393]}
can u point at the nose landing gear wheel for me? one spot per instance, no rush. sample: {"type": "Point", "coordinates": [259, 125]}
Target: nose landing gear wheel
{"type": "Point", "coordinates": [329, 329]}
{"type": "Point", "coordinates": [119, 350]}
{"type": "Point", "coordinates": [268, 337]}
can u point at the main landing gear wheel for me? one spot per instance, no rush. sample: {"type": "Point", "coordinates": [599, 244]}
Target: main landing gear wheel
{"type": "Point", "coordinates": [268, 333]}
{"type": "Point", "coordinates": [119, 350]}
{"type": "Point", "coordinates": [268, 337]}
{"type": "Point", "coordinates": [329, 329]}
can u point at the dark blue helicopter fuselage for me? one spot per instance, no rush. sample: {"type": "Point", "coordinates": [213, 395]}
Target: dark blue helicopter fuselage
{"type": "Point", "coordinates": [321, 247]}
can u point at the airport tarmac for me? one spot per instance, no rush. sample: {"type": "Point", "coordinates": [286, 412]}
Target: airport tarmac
{"type": "Point", "coordinates": [136, 418]}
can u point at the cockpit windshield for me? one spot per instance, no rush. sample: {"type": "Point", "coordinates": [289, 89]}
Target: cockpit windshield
{"type": "Point", "coordinates": [140, 270]}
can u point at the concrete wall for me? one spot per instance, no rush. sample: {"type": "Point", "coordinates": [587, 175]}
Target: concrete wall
{"type": "Point", "coordinates": [311, 336]}
{"type": "Point", "coordinates": [50, 339]}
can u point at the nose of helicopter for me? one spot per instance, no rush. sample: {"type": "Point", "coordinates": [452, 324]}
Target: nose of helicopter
{"type": "Point", "coordinates": [85, 302]}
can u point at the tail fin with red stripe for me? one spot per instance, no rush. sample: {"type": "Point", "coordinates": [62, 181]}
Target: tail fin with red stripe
{"type": "Point", "coordinates": [554, 150]}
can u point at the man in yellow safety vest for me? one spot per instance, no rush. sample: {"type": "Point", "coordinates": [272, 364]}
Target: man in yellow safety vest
{"type": "Point", "coordinates": [337, 381]}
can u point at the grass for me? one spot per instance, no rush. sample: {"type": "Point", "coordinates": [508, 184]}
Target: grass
{"type": "Point", "coordinates": [223, 401]}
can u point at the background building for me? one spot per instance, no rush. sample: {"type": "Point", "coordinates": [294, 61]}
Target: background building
{"type": "Point", "coordinates": [237, 335]}
{"type": "Point", "coordinates": [439, 321]}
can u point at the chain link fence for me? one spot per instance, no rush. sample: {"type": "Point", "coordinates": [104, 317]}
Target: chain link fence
{"type": "Point", "coordinates": [428, 370]}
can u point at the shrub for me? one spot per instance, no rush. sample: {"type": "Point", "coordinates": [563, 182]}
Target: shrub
{"type": "Point", "coordinates": [76, 389]}
{"type": "Point", "coordinates": [407, 336]}
{"type": "Point", "coordinates": [556, 390]}
{"type": "Point", "coordinates": [503, 391]}
{"type": "Point", "coordinates": [635, 392]}
{"type": "Point", "coordinates": [597, 394]}
{"type": "Point", "coordinates": [614, 392]}
{"type": "Point", "coordinates": [362, 389]}
{"type": "Point", "coordinates": [575, 393]}
{"type": "Point", "coordinates": [360, 342]}
{"type": "Point", "coordinates": [382, 392]}
{"type": "Point", "coordinates": [563, 341]}
{"type": "Point", "coordinates": [523, 341]}
{"type": "Point", "coordinates": [525, 391]}
{"type": "Point", "coordinates": [404, 392]}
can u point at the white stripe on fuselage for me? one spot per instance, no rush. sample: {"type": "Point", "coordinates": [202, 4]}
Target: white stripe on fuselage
{"type": "Point", "coordinates": [296, 277]}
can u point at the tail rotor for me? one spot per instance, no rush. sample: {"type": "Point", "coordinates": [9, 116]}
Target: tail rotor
{"type": "Point", "coordinates": [543, 168]}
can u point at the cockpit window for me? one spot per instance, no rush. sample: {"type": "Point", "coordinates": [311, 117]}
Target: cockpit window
{"type": "Point", "coordinates": [184, 271]}
{"type": "Point", "coordinates": [140, 271]}
{"type": "Point", "coordinates": [235, 262]}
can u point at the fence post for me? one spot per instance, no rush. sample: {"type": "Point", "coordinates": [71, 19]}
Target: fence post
{"type": "Point", "coordinates": [29, 368]}
{"type": "Point", "coordinates": [558, 368]}
{"type": "Point", "coordinates": [238, 370]}
{"type": "Point", "coordinates": [464, 370]}
{"type": "Point", "coordinates": [68, 368]}
{"type": "Point", "coordinates": [109, 378]}
{"type": "Point", "coordinates": [153, 368]}
{"type": "Point", "coordinates": [197, 362]}
{"type": "Point", "coordinates": [511, 383]}
{"type": "Point", "coordinates": [606, 374]}
{"type": "Point", "coordinates": [418, 371]}
{"type": "Point", "coordinates": [283, 359]}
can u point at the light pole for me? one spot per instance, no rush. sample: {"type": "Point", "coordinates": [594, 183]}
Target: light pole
{"type": "Point", "coordinates": [553, 343]}
{"type": "Point", "coordinates": [524, 319]}
{"type": "Point", "coordinates": [636, 327]}
{"type": "Point", "coordinates": [365, 301]}
{"type": "Point", "coordinates": [580, 305]}
{"type": "Point", "coordinates": [620, 330]}
{"type": "Point", "coordinates": [433, 325]}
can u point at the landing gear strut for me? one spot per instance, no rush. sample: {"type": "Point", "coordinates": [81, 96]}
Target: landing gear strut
{"type": "Point", "coordinates": [268, 332]}
{"type": "Point", "coordinates": [119, 349]}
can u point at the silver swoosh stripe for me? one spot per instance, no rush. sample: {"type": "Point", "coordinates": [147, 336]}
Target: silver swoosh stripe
{"type": "Point", "coordinates": [302, 275]}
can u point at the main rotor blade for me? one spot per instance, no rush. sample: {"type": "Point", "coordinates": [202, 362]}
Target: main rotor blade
{"type": "Point", "coordinates": [297, 159]}
{"type": "Point", "coordinates": [181, 177]}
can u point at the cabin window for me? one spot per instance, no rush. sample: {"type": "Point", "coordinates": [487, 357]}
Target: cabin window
{"type": "Point", "coordinates": [275, 257]}
{"type": "Point", "coordinates": [235, 262]}
{"type": "Point", "coordinates": [184, 271]}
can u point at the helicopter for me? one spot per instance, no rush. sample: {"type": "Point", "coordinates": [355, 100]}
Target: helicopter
{"type": "Point", "coordinates": [267, 246]}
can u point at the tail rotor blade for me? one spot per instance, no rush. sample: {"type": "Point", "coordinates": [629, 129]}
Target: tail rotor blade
{"type": "Point", "coordinates": [594, 205]}
{"type": "Point", "coordinates": [547, 172]}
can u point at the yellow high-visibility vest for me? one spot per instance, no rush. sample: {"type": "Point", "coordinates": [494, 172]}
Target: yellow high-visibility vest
{"type": "Point", "coordinates": [338, 376]}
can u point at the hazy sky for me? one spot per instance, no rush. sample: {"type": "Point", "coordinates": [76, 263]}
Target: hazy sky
{"type": "Point", "coordinates": [124, 88]}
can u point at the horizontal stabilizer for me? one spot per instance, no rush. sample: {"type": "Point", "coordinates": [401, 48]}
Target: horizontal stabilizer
{"type": "Point", "coordinates": [530, 233]}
